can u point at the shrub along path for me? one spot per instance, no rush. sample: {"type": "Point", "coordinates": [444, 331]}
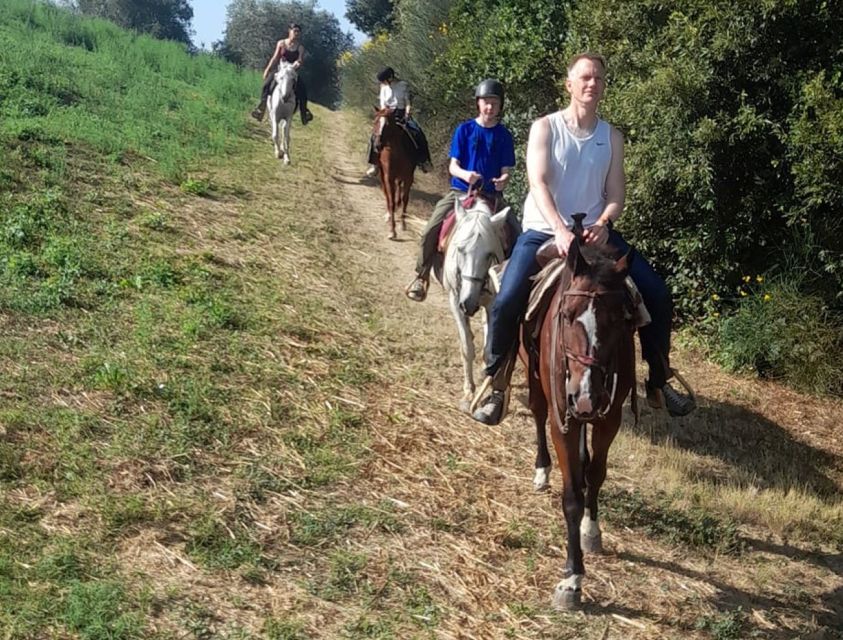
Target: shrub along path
{"type": "Point", "coordinates": [254, 435]}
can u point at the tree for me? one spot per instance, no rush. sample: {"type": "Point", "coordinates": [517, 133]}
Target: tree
{"type": "Point", "coordinates": [370, 16]}
{"type": "Point", "coordinates": [253, 28]}
{"type": "Point", "coordinates": [164, 19]}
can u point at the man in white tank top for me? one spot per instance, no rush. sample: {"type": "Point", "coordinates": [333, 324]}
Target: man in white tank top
{"type": "Point", "coordinates": [575, 164]}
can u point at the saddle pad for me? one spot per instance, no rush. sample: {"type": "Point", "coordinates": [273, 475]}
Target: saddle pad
{"type": "Point", "coordinates": [544, 281]}
{"type": "Point", "coordinates": [445, 231]}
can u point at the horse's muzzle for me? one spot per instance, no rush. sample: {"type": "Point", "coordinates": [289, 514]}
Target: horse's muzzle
{"type": "Point", "coordinates": [469, 307]}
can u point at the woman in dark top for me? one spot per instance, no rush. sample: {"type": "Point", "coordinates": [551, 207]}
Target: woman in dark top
{"type": "Point", "coordinates": [291, 50]}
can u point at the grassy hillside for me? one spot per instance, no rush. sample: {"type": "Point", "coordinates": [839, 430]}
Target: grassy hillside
{"type": "Point", "coordinates": [85, 108]}
{"type": "Point", "coordinates": [145, 330]}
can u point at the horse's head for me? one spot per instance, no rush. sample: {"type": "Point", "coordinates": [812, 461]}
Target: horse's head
{"type": "Point", "coordinates": [476, 245]}
{"type": "Point", "coordinates": [595, 318]}
{"type": "Point", "coordinates": [286, 76]}
{"type": "Point", "coordinates": [383, 124]}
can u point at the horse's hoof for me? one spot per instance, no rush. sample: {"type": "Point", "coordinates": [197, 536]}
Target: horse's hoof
{"type": "Point", "coordinates": [591, 544]}
{"type": "Point", "coordinates": [286, 161]}
{"type": "Point", "coordinates": [565, 599]}
{"type": "Point", "coordinates": [465, 405]}
{"type": "Point", "coordinates": [392, 235]}
{"type": "Point", "coordinates": [541, 481]}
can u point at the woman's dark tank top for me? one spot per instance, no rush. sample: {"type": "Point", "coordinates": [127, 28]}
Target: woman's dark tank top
{"type": "Point", "coordinates": [290, 55]}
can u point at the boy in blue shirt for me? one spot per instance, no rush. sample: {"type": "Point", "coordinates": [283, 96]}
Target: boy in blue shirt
{"type": "Point", "coordinates": [483, 157]}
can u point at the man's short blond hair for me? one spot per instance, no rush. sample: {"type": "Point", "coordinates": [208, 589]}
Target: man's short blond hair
{"type": "Point", "coordinates": [586, 55]}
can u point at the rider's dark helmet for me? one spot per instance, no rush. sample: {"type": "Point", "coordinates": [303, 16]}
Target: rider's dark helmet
{"type": "Point", "coordinates": [489, 88]}
{"type": "Point", "coordinates": [386, 74]}
{"type": "Point", "coordinates": [294, 25]}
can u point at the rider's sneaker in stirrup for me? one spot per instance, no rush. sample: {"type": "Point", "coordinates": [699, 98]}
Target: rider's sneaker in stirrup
{"type": "Point", "coordinates": [417, 289]}
{"type": "Point", "coordinates": [490, 410]}
{"type": "Point", "coordinates": [372, 171]}
{"type": "Point", "coordinates": [677, 404]}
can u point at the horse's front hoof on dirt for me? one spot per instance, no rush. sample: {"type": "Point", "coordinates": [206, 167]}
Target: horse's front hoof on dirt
{"type": "Point", "coordinates": [286, 160]}
{"type": "Point", "coordinates": [392, 235]}
{"type": "Point", "coordinates": [465, 405]}
{"type": "Point", "coordinates": [541, 480]}
{"type": "Point", "coordinates": [565, 599]}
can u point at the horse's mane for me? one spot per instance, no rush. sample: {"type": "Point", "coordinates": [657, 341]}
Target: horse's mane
{"type": "Point", "coordinates": [601, 260]}
{"type": "Point", "coordinates": [463, 236]}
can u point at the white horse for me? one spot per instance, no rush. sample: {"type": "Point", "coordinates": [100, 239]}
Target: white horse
{"type": "Point", "coordinates": [281, 104]}
{"type": "Point", "coordinates": [476, 245]}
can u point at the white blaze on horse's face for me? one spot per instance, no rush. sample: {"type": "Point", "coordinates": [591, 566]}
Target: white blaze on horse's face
{"type": "Point", "coordinates": [588, 320]}
{"type": "Point", "coordinates": [585, 385]}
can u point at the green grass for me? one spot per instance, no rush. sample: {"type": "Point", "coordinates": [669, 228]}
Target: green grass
{"type": "Point", "coordinates": [160, 337]}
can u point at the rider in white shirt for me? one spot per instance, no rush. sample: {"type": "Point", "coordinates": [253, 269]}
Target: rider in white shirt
{"type": "Point", "coordinates": [395, 94]}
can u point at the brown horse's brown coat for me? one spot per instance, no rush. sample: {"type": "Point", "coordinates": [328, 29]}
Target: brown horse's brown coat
{"type": "Point", "coordinates": [583, 471]}
{"type": "Point", "coordinates": [396, 159]}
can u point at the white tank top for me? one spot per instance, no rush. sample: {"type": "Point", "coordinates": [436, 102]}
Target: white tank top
{"type": "Point", "coordinates": [577, 174]}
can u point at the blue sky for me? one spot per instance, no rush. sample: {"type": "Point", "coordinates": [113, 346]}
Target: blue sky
{"type": "Point", "coordinates": [209, 20]}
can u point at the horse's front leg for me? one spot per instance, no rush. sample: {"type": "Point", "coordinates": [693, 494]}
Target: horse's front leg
{"type": "Point", "coordinates": [388, 185]}
{"type": "Point", "coordinates": [286, 138]}
{"type": "Point", "coordinates": [568, 592]}
{"type": "Point", "coordinates": [602, 436]}
{"type": "Point", "coordinates": [466, 349]}
{"type": "Point", "coordinates": [273, 119]}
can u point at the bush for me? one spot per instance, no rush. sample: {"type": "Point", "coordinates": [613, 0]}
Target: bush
{"type": "Point", "coordinates": [779, 332]}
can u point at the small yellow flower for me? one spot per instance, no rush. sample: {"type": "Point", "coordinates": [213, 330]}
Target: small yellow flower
{"type": "Point", "coordinates": [743, 293]}
{"type": "Point", "coordinates": [747, 278]}
{"type": "Point", "coordinates": [759, 279]}
{"type": "Point", "coordinates": [716, 314]}
{"type": "Point", "coordinates": [715, 297]}
{"type": "Point", "coordinates": [767, 296]}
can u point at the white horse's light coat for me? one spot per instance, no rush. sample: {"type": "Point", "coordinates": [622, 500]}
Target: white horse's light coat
{"type": "Point", "coordinates": [475, 246]}
{"type": "Point", "coordinates": [281, 104]}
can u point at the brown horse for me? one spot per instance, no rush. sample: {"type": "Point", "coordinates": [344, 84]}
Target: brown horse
{"type": "Point", "coordinates": [397, 161]}
{"type": "Point", "coordinates": [582, 372]}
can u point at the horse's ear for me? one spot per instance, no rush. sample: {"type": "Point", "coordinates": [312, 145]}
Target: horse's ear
{"type": "Point", "coordinates": [575, 260]}
{"type": "Point", "coordinates": [624, 263]}
{"type": "Point", "coordinates": [499, 218]}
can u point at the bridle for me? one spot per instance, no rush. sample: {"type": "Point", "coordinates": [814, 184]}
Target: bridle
{"type": "Point", "coordinates": [497, 254]}
{"type": "Point", "coordinates": [609, 372]}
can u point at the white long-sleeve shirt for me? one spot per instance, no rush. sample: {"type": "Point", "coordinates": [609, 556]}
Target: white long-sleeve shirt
{"type": "Point", "coordinates": [395, 95]}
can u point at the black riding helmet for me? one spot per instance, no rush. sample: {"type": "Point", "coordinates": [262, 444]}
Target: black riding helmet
{"type": "Point", "coordinates": [386, 74]}
{"type": "Point", "coordinates": [489, 88]}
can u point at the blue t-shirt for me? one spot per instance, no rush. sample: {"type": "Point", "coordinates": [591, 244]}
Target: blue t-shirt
{"type": "Point", "coordinates": [484, 150]}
